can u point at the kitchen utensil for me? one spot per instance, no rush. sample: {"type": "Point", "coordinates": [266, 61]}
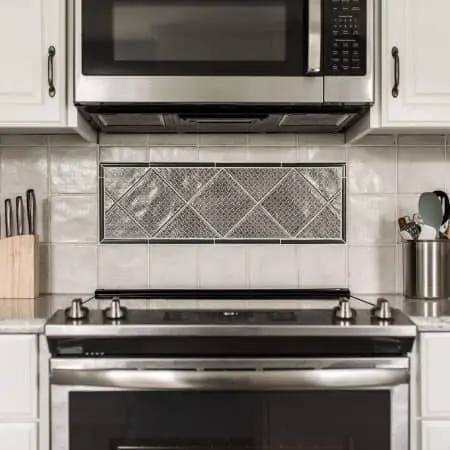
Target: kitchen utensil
{"type": "Point", "coordinates": [445, 205]}
{"type": "Point", "coordinates": [425, 269]}
{"type": "Point", "coordinates": [430, 209]}
{"type": "Point", "coordinates": [428, 233]}
{"type": "Point", "coordinates": [8, 218]}
{"type": "Point", "coordinates": [408, 229]}
{"type": "Point", "coordinates": [20, 216]}
{"type": "Point", "coordinates": [31, 211]}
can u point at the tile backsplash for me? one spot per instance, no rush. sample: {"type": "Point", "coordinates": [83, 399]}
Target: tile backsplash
{"type": "Point", "coordinates": [385, 174]}
{"type": "Point", "coordinates": [221, 203]}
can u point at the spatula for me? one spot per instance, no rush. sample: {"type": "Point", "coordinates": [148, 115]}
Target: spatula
{"type": "Point", "coordinates": [430, 210]}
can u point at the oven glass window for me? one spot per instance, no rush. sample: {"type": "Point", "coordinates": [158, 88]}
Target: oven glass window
{"type": "Point", "coordinates": [194, 37]}
{"type": "Point", "coordinates": [309, 420]}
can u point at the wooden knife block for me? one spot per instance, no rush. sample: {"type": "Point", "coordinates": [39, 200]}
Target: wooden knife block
{"type": "Point", "coordinates": [19, 267]}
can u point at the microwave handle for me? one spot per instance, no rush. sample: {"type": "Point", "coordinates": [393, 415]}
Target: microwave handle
{"type": "Point", "coordinates": [314, 37]}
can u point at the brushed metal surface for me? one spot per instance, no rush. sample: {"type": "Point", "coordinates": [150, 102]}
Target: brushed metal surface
{"type": "Point", "coordinates": [354, 89]}
{"type": "Point", "coordinates": [274, 380]}
{"type": "Point", "coordinates": [227, 364]}
{"type": "Point", "coordinates": [426, 269]}
{"type": "Point", "coordinates": [230, 330]}
{"type": "Point", "coordinates": [314, 36]}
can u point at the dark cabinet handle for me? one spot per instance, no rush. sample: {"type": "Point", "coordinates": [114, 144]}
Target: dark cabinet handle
{"type": "Point", "coordinates": [396, 56]}
{"type": "Point", "coordinates": [51, 75]}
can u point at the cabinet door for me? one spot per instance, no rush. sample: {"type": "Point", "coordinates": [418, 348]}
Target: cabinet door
{"type": "Point", "coordinates": [18, 436]}
{"type": "Point", "coordinates": [435, 375]}
{"type": "Point", "coordinates": [18, 377]}
{"type": "Point", "coordinates": [435, 435]}
{"type": "Point", "coordinates": [28, 30]}
{"type": "Point", "coordinates": [420, 31]}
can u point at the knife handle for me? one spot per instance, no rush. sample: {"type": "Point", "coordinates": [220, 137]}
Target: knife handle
{"type": "Point", "coordinates": [31, 211]}
{"type": "Point", "coordinates": [20, 219]}
{"type": "Point", "coordinates": [8, 217]}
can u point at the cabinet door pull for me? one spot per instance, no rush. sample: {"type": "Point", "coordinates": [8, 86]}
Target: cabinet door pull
{"type": "Point", "coordinates": [396, 56]}
{"type": "Point", "coordinates": [51, 75]}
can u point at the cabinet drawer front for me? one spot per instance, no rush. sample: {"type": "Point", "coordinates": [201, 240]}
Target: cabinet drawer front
{"type": "Point", "coordinates": [18, 436]}
{"type": "Point", "coordinates": [435, 435]}
{"type": "Point", "coordinates": [435, 375]}
{"type": "Point", "coordinates": [18, 377]}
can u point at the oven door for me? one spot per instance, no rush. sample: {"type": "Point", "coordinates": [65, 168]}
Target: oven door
{"type": "Point", "coordinates": [327, 404]}
{"type": "Point", "coordinates": [187, 51]}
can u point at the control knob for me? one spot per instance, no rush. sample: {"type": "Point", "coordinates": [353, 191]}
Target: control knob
{"type": "Point", "coordinates": [115, 311]}
{"type": "Point", "coordinates": [343, 311]}
{"type": "Point", "coordinates": [382, 311]}
{"type": "Point", "coordinates": [76, 311]}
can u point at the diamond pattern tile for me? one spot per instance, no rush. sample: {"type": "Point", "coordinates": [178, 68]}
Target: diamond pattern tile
{"type": "Point", "coordinates": [187, 224]}
{"type": "Point", "coordinates": [119, 225]}
{"type": "Point", "coordinates": [107, 202]}
{"type": "Point", "coordinates": [152, 203]}
{"type": "Point", "coordinates": [258, 225]}
{"type": "Point", "coordinates": [336, 202]}
{"type": "Point", "coordinates": [180, 203]}
{"type": "Point", "coordinates": [326, 180]}
{"type": "Point", "coordinates": [117, 180]}
{"type": "Point", "coordinates": [223, 203]}
{"type": "Point", "coordinates": [327, 225]}
{"type": "Point", "coordinates": [294, 202]}
{"type": "Point", "coordinates": [187, 181]}
{"type": "Point", "coordinates": [257, 181]}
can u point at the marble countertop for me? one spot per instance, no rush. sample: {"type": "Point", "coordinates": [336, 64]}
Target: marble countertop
{"type": "Point", "coordinates": [29, 316]}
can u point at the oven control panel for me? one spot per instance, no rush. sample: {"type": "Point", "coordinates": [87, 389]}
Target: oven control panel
{"type": "Point", "coordinates": [345, 37]}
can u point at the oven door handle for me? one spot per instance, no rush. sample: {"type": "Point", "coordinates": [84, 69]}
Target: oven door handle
{"type": "Point", "coordinates": [314, 37]}
{"type": "Point", "coordinates": [242, 380]}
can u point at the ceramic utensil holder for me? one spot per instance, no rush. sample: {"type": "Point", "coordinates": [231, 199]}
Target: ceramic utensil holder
{"type": "Point", "coordinates": [19, 267]}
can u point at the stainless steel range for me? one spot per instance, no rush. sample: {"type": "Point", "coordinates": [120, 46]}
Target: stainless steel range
{"type": "Point", "coordinates": [334, 378]}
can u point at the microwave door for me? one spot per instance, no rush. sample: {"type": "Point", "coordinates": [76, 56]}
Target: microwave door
{"type": "Point", "coordinates": [210, 51]}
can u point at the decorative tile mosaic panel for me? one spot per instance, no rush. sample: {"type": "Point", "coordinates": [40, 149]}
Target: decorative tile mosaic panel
{"type": "Point", "coordinates": [222, 203]}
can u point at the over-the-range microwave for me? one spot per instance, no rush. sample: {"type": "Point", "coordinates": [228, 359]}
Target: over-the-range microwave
{"type": "Point", "coordinates": [224, 65]}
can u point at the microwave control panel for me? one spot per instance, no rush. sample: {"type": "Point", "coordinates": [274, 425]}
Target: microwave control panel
{"type": "Point", "coordinates": [345, 37]}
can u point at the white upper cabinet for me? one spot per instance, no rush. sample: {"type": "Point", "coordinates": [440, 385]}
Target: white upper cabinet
{"type": "Point", "coordinates": [419, 30]}
{"type": "Point", "coordinates": [29, 31]}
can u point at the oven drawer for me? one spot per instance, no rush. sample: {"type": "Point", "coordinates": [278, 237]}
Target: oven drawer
{"type": "Point", "coordinates": [18, 436]}
{"type": "Point", "coordinates": [18, 378]}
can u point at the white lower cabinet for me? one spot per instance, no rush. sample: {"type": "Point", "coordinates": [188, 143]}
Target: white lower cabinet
{"type": "Point", "coordinates": [435, 435]}
{"type": "Point", "coordinates": [18, 378]}
{"type": "Point", "coordinates": [18, 436]}
{"type": "Point", "coordinates": [435, 375]}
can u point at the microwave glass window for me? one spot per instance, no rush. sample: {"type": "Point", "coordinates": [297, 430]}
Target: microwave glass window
{"type": "Point", "coordinates": [196, 30]}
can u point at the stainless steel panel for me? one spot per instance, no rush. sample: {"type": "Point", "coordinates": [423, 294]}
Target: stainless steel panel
{"type": "Point", "coordinates": [274, 380]}
{"type": "Point", "coordinates": [353, 89]}
{"type": "Point", "coordinates": [230, 330]}
{"type": "Point", "coordinates": [426, 269]}
{"type": "Point", "coordinates": [173, 89]}
{"type": "Point", "coordinates": [400, 417]}
{"type": "Point", "coordinates": [314, 36]}
{"type": "Point", "coordinates": [228, 364]}
{"type": "Point", "coordinates": [198, 89]}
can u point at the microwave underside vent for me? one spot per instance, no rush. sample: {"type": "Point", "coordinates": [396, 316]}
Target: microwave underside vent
{"type": "Point", "coordinates": [212, 119]}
